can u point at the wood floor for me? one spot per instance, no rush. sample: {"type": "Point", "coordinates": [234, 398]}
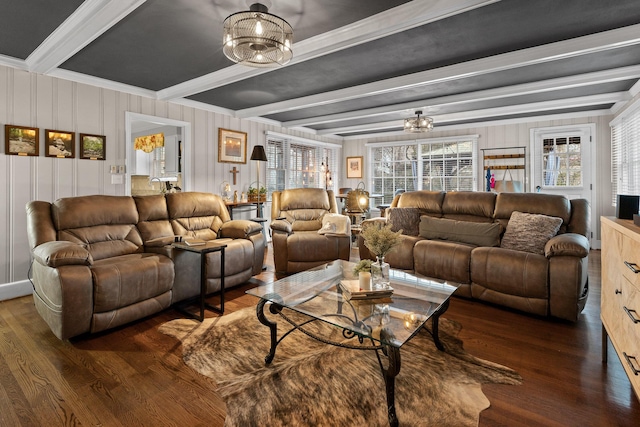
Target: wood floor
{"type": "Point", "coordinates": [134, 376]}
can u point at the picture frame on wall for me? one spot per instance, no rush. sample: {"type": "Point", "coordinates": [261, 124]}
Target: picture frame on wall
{"type": "Point", "coordinates": [232, 146]}
{"type": "Point", "coordinates": [92, 147]}
{"type": "Point", "coordinates": [60, 144]}
{"type": "Point", "coordinates": [21, 140]}
{"type": "Point", "coordinates": [354, 167]}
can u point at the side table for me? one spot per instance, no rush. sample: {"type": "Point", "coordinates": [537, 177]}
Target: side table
{"type": "Point", "coordinates": [203, 250]}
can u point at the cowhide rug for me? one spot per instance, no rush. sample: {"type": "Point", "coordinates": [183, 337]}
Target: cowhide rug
{"type": "Point", "coordinates": [314, 384]}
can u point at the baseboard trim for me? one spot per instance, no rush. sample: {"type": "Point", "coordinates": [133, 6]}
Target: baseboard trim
{"type": "Point", "coordinates": [15, 290]}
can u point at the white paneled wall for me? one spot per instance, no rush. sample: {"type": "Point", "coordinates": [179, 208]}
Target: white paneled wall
{"type": "Point", "coordinates": [29, 99]}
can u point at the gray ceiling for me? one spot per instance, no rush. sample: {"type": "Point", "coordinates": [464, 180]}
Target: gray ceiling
{"type": "Point", "coordinates": [359, 66]}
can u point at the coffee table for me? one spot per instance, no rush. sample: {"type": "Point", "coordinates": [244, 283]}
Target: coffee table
{"type": "Point", "coordinates": [381, 325]}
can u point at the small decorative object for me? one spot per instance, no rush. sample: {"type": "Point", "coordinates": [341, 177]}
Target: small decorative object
{"type": "Point", "coordinates": [232, 146]}
{"type": "Point", "coordinates": [412, 320]}
{"type": "Point", "coordinates": [243, 197]}
{"type": "Point", "coordinates": [380, 240]}
{"type": "Point", "coordinates": [235, 196]}
{"type": "Point", "coordinates": [363, 270]}
{"type": "Point", "coordinates": [92, 147]}
{"type": "Point", "coordinates": [21, 141]}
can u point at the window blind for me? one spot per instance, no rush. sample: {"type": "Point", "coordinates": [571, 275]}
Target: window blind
{"type": "Point", "coordinates": [625, 154]}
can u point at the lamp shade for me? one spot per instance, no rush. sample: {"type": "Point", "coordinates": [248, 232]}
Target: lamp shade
{"type": "Point", "coordinates": [259, 154]}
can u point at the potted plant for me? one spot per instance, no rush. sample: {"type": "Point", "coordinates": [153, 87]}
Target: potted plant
{"type": "Point", "coordinates": [380, 239]}
{"type": "Point", "coordinates": [252, 194]}
{"type": "Point", "coordinates": [263, 195]}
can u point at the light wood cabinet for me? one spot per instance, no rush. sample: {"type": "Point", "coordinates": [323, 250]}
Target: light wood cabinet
{"type": "Point", "coordinates": [620, 300]}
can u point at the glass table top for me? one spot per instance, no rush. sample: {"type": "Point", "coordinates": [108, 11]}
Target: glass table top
{"type": "Point", "coordinates": [393, 320]}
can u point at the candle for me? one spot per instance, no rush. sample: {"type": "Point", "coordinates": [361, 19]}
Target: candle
{"type": "Point", "coordinates": [365, 280]}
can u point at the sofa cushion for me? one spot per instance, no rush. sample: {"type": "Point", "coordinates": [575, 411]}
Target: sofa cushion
{"type": "Point", "coordinates": [530, 232]}
{"type": "Point", "coordinates": [473, 233]}
{"type": "Point", "coordinates": [405, 219]}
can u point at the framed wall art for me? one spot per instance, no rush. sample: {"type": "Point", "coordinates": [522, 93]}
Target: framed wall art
{"type": "Point", "coordinates": [354, 167]}
{"type": "Point", "coordinates": [232, 146]}
{"type": "Point", "coordinates": [21, 140]}
{"type": "Point", "coordinates": [60, 144]}
{"type": "Point", "coordinates": [92, 147]}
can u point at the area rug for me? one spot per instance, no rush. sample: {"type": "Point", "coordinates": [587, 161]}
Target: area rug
{"type": "Point", "coordinates": [314, 384]}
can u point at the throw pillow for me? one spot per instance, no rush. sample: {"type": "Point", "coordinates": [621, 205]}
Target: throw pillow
{"type": "Point", "coordinates": [530, 232]}
{"type": "Point", "coordinates": [405, 219]}
{"type": "Point", "coordinates": [473, 233]}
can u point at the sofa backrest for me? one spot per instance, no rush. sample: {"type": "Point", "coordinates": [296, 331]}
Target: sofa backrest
{"type": "Point", "coordinates": [473, 206]}
{"type": "Point", "coordinates": [303, 207]}
{"type": "Point", "coordinates": [534, 203]}
{"type": "Point", "coordinates": [104, 225]}
{"type": "Point", "coordinates": [154, 225]}
{"type": "Point", "coordinates": [196, 214]}
{"type": "Point", "coordinates": [428, 202]}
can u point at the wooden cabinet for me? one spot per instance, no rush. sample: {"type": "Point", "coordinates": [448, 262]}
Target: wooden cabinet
{"type": "Point", "coordinates": [620, 301]}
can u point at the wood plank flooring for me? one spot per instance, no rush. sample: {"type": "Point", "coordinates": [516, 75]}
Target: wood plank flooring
{"type": "Point", "coordinates": [134, 375]}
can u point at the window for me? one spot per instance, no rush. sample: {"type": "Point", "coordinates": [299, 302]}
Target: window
{"type": "Point", "coordinates": [440, 164]}
{"type": "Point", "coordinates": [562, 162]}
{"type": "Point", "coordinates": [625, 152]}
{"type": "Point", "coordinates": [299, 163]}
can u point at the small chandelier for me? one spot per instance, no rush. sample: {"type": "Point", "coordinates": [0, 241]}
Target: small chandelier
{"type": "Point", "coordinates": [257, 39]}
{"type": "Point", "coordinates": [418, 124]}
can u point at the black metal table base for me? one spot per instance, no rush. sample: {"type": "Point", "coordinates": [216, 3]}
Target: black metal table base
{"type": "Point", "coordinates": [182, 306]}
{"type": "Point", "coordinates": [392, 354]}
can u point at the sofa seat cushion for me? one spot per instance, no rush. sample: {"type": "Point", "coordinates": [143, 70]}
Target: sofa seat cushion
{"type": "Point", "coordinates": [443, 260]}
{"type": "Point", "coordinates": [309, 246]}
{"type": "Point", "coordinates": [128, 279]}
{"type": "Point", "coordinates": [510, 272]}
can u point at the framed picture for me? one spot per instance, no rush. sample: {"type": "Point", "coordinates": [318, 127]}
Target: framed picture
{"type": "Point", "coordinates": [61, 144]}
{"type": "Point", "coordinates": [232, 146]}
{"type": "Point", "coordinates": [21, 140]}
{"type": "Point", "coordinates": [354, 167]}
{"type": "Point", "coordinates": [92, 147]}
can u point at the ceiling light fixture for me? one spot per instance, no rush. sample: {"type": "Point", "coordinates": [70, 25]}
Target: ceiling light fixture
{"type": "Point", "coordinates": [418, 124]}
{"type": "Point", "coordinates": [257, 39]}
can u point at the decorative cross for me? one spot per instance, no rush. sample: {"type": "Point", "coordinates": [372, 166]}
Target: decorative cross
{"type": "Point", "coordinates": [234, 171]}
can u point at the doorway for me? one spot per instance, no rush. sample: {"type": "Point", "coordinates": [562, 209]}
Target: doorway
{"type": "Point", "coordinates": [176, 153]}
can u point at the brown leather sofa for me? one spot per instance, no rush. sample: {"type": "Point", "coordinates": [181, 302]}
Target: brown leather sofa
{"type": "Point", "coordinates": [297, 216]}
{"type": "Point", "coordinates": [552, 283]}
{"type": "Point", "coordinates": [104, 261]}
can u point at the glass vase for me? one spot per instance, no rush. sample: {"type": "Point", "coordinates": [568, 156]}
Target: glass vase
{"type": "Point", "coordinates": [380, 274]}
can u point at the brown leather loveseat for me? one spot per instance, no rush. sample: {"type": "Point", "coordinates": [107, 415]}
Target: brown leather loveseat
{"type": "Point", "coordinates": [104, 261]}
{"type": "Point", "coordinates": [527, 251]}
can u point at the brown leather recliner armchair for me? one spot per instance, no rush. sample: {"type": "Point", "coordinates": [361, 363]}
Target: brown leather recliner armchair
{"type": "Point", "coordinates": [297, 216]}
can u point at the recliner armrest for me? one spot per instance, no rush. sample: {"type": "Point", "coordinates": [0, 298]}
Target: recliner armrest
{"type": "Point", "coordinates": [58, 253]}
{"type": "Point", "coordinates": [281, 225]}
{"type": "Point", "coordinates": [239, 229]}
{"type": "Point", "coordinates": [568, 244]}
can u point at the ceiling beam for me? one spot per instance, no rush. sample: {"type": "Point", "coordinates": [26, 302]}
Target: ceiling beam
{"type": "Point", "coordinates": [559, 104]}
{"type": "Point", "coordinates": [621, 37]}
{"type": "Point", "coordinates": [87, 23]}
{"type": "Point", "coordinates": [392, 21]}
{"type": "Point", "coordinates": [432, 104]}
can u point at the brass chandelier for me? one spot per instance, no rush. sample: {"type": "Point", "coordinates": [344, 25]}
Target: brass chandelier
{"type": "Point", "coordinates": [257, 38]}
{"type": "Point", "coordinates": [418, 124]}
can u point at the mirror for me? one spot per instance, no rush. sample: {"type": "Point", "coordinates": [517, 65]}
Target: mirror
{"type": "Point", "coordinates": [159, 166]}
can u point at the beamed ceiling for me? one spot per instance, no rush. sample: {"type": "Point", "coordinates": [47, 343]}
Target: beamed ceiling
{"type": "Point", "coordinates": [359, 66]}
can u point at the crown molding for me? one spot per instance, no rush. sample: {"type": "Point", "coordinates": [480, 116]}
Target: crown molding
{"type": "Point", "coordinates": [103, 83]}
